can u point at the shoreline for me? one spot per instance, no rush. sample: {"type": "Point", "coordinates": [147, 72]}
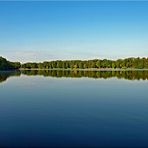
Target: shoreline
{"type": "Point", "coordinates": [92, 69]}
{"type": "Point", "coordinates": [61, 69]}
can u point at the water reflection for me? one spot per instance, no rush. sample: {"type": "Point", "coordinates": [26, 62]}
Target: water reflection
{"type": "Point", "coordinates": [74, 112]}
{"type": "Point", "coordinates": [5, 75]}
{"type": "Point", "coordinates": [130, 75]}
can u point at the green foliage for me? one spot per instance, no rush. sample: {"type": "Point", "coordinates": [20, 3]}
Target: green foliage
{"type": "Point", "coordinates": [98, 64]}
{"type": "Point", "coordinates": [131, 63]}
{"type": "Point", "coordinates": [6, 65]}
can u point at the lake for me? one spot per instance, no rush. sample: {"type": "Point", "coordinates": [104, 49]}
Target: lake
{"type": "Point", "coordinates": [74, 108]}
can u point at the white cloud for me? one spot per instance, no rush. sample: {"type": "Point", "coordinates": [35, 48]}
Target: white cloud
{"type": "Point", "coordinates": [27, 56]}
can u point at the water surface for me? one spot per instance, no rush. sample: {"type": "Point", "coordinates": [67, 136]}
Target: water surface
{"type": "Point", "coordinates": [74, 109]}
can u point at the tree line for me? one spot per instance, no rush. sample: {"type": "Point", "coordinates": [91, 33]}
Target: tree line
{"type": "Point", "coordinates": [7, 65]}
{"type": "Point", "coordinates": [132, 63]}
{"type": "Point", "coordinates": [135, 63]}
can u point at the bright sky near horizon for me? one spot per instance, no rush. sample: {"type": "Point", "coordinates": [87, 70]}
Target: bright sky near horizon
{"type": "Point", "coordinates": [39, 31]}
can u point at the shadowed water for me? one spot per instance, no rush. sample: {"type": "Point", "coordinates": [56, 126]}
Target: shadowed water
{"type": "Point", "coordinates": [74, 109]}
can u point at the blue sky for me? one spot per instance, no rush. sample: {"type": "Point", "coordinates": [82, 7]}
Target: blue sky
{"type": "Point", "coordinates": [38, 31]}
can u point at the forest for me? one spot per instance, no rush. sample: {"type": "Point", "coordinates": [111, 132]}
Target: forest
{"type": "Point", "coordinates": [132, 63]}
{"type": "Point", "coordinates": [7, 65]}
{"type": "Point", "coordinates": [128, 63]}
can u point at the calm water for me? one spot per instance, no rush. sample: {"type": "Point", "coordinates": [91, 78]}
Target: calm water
{"type": "Point", "coordinates": [74, 109]}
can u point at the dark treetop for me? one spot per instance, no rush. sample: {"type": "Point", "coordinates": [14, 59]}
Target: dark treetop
{"type": "Point", "coordinates": [7, 65]}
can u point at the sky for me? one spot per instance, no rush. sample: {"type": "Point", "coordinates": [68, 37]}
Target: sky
{"type": "Point", "coordinates": [53, 30]}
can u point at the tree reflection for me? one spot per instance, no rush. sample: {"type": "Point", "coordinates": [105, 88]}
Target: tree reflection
{"type": "Point", "coordinates": [130, 75]}
{"type": "Point", "coordinates": [5, 75]}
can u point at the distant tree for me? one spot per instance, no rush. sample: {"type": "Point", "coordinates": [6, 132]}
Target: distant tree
{"type": "Point", "coordinates": [7, 65]}
{"type": "Point", "coordinates": [98, 64]}
{"type": "Point", "coordinates": [139, 63]}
